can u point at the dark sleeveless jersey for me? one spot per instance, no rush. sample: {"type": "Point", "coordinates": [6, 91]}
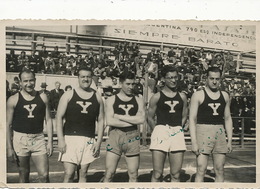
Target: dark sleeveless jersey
{"type": "Point", "coordinates": [169, 110]}
{"type": "Point", "coordinates": [29, 116]}
{"type": "Point", "coordinates": [211, 111]}
{"type": "Point", "coordinates": [126, 108]}
{"type": "Point", "coordinates": [81, 116]}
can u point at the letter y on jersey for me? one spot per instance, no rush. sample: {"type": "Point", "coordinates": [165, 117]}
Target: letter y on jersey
{"type": "Point", "coordinates": [84, 106]}
{"type": "Point", "coordinates": [214, 107]}
{"type": "Point", "coordinates": [30, 109]}
{"type": "Point", "coordinates": [126, 108]}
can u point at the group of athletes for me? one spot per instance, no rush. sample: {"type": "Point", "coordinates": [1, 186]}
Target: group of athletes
{"type": "Point", "coordinates": [81, 112]}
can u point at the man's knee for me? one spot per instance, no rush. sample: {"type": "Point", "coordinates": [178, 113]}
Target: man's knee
{"type": "Point", "coordinates": [219, 170]}
{"type": "Point", "coordinates": [201, 169]}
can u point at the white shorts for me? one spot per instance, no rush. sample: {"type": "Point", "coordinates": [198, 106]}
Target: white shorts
{"type": "Point", "coordinates": [78, 150]}
{"type": "Point", "coordinates": [168, 139]}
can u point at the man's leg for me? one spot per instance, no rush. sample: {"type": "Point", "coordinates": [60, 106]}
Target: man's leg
{"type": "Point", "coordinates": [83, 173]}
{"type": "Point", "coordinates": [218, 162]}
{"type": "Point", "coordinates": [42, 166]}
{"type": "Point", "coordinates": [158, 164]}
{"type": "Point", "coordinates": [111, 165]}
{"type": "Point", "coordinates": [176, 159]}
{"type": "Point", "coordinates": [132, 167]}
{"type": "Point", "coordinates": [69, 171]}
{"type": "Point", "coordinates": [202, 163]}
{"type": "Point", "coordinates": [24, 169]}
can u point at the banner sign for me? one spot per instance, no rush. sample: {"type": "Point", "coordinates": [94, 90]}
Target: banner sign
{"type": "Point", "coordinates": [238, 37]}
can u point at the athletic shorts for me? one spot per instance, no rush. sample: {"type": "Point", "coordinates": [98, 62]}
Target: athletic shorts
{"type": "Point", "coordinates": [167, 138]}
{"type": "Point", "coordinates": [211, 138]}
{"type": "Point", "coordinates": [123, 142]}
{"type": "Point", "coordinates": [29, 144]}
{"type": "Point", "coordinates": [78, 150]}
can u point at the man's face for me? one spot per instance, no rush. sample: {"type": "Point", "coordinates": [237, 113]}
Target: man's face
{"type": "Point", "coordinates": [85, 79]}
{"type": "Point", "coordinates": [114, 81]}
{"type": "Point", "coordinates": [171, 79]}
{"type": "Point", "coordinates": [57, 85]}
{"type": "Point", "coordinates": [137, 80]}
{"type": "Point", "coordinates": [213, 80]}
{"type": "Point", "coordinates": [27, 82]}
{"type": "Point", "coordinates": [127, 86]}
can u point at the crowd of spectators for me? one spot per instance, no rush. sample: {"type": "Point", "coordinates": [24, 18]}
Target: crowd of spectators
{"type": "Point", "coordinates": [192, 65]}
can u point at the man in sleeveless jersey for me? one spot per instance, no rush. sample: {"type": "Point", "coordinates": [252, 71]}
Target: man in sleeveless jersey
{"type": "Point", "coordinates": [170, 108]}
{"type": "Point", "coordinates": [124, 112]}
{"type": "Point", "coordinates": [81, 108]}
{"type": "Point", "coordinates": [26, 112]}
{"type": "Point", "coordinates": [208, 119]}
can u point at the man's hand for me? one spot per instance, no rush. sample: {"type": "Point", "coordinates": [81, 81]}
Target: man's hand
{"type": "Point", "coordinates": [11, 156]}
{"type": "Point", "coordinates": [62, 146]}
{"type": "Point", "coordinates": [229, 146]}
{"type": "Point", "coordinates": [195, 149]}
{"type": "Point", "coordinates": [49, 149]}
{"type": "Point", "coordinates": [95, 150]}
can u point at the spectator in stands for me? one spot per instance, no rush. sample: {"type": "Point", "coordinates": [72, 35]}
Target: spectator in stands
{"type": "Point", "coordinates": [201, 53]}
{"type": "Point", "coordinates": [230, 65]}
{"type": "Point", "coordinates": [209, 57]}
{"type": "Point", "coordinates": [203, 63]}
{"type": "Point", "coordinates": [44, 89]}
{"type": "Point", "coordinates": [236, 110]}
{"type": "Point", "coordinates": [60, 68]}
{"type": "Point", "coordinates": [55, 96]}
{"type": "Point", "coordinates": [14, 89]}
{"type": "Point", "coordinates": [193, 56]}
{"type": "Point", "coordinates": [68, 68]}
{"type": "Point", "coordinates": [43, 53]}
{"type": "Point", "coordinates": [27, 66]}
{"type": "Point", "coordinates": [49, 65]}
{"type": "Point", "coordinates": [90, 53]}
{"type": "Point", "coordinates": [116, 52]}
{"type": "Point", "coordinates": [184, 56]}
{"type": "Point", "coordinates": [172, 55]}
{"type": "Point", "coordinates": [68, 88]}
{"type": "Point", "coordinates": [11, 62]}
{"type": "Point", "coordinates": [115, 85]}
{"type": "Point", "coordinates": [79, 59]}
{"type": "Point", "coordinates": [104, 80]}
{"type": "Point", "coordinates": [246, 106]}
{"type": "Point", "coordinates": [138, 87]}
{"type": "Point", "coordinates": [55, 54]}
{"type": "Point", "coordinates": [16, 82]}
{"type": "Point", "coordinates": [135, 50]}
{"type": "Point", "coordinates": [34, 61]}
{"type": "Point", "coordinates": [103, 56]}
{"type": "Point", "coordinates": [22, 59]}
{"type": "Point", "coordinates": [75, 70]}
{"type": "Point", "coordinates": [97, 73]}
{"type": "Point", "coordinates": [150, 55]}
{"type": "Point", "coordinates": [152, 67]}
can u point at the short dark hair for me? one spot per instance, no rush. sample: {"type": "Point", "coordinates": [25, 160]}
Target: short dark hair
{"type": "Point", "coordinates": [28, 71]}
{"type": "Point", "coordinates": [213, 69]}
{"type": "Point", "coordinates": [168, 68]}
{"type": "Point", "coordinates": [126, 75]}
{"type": "Point", "coordinates": [67, 87]}
{"type": "Point", "coordinates": [85, 68]}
